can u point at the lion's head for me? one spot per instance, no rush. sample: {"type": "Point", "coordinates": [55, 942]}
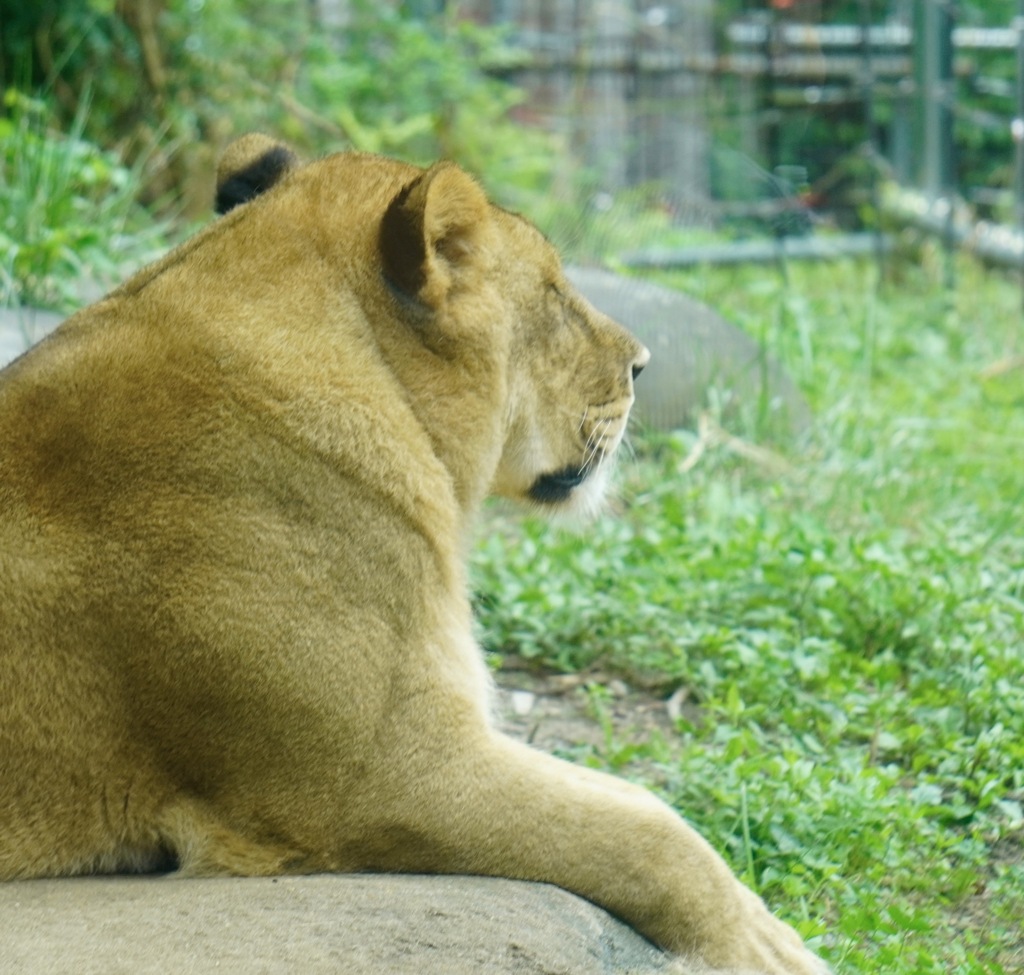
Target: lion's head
{"type": "Point", "coordinates": [572, 374]}
{"type": "Point", "coordinates": [473, 314]}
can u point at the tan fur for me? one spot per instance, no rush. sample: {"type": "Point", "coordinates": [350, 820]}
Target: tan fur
{"type": "Point", "coordinates": [235, 497]}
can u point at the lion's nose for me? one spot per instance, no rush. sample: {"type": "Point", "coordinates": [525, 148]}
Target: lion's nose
{"type": "Point", "coordinates": [641, 360]}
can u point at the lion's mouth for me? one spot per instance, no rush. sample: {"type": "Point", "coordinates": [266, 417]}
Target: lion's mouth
{"type": "Point", "coordinates": [558, 486]}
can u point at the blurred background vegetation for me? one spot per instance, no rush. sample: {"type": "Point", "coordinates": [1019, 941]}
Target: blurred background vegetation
{"type": "Point", "coordinates": [114, 113]}
{"type": "Point", "coordinates": [613, 121]}
{"type": "Point", "coordinates": [169, 82]}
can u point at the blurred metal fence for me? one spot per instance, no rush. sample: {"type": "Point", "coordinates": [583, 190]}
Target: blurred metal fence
{"type": "Point", "coordinates": [618, 80]}
{"type": "Point", "coordinates": [928, 94]}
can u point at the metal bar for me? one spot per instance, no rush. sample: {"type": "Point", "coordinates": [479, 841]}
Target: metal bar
{"type": "Point", "coordinates": [822, 36]}
{"type": "Point", "coordinates": [867, 87]}
{"type": "Point", "coordinates": [807, 67]}
{"type": "Point", "coordinates": [935, 73]}
{"type": "Point", "coordinates": [1017, 131]}
{"type": "Point", "coordinates": [758, 251]}
{"type": "Point", "coordinates": [992, 242]}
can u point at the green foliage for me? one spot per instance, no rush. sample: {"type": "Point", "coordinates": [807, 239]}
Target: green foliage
{"type": "Point", "coordinates": [175, 81]}
{"type": "Point", "coordinates": [851, 635]}
{"type": "Point", "coordinates": [418, 88]}
{"type": "Point", "coordinates": [68, 210]}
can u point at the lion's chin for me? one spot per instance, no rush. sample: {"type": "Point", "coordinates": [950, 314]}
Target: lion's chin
{"type": "Point", "coordinates": [557, 487]}
{"type": "Point", "coordinates": [571, 490]}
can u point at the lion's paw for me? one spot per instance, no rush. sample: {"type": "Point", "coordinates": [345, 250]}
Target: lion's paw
{"type": "Point", "coordinates": [758, 943]}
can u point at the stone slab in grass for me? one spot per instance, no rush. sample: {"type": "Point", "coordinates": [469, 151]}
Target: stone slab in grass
{"type": "Point", "coordinates": [696, 355]}
{"type": "Point", "coordinates": [345, 924]}
{"type": "Point", "coordinates": [22, 327]}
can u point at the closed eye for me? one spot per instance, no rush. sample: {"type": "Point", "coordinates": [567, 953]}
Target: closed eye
{"type": "Point", "coordinates": [563, 305]}
{"type": "Point", "coordinates": [571, 315]}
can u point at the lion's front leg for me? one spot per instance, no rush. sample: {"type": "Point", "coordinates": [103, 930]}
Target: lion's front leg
{"type": "Point", "coordinates": [507, 810]}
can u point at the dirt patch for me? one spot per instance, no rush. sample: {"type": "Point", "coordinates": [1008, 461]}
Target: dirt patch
{"type": "Point", "coordinates": [984, 914]}
{"type": "Point", "coordinates": [567, 713]}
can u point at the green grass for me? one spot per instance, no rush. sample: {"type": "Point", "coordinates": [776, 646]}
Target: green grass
{"type": "Point", "coordinates": [852, 633]}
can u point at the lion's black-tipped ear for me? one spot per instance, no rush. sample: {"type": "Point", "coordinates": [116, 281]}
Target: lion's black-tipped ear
{"type": "Point", "coordinates": [251, 165]}
{"type": "Point", "coordinates": [432, 231]}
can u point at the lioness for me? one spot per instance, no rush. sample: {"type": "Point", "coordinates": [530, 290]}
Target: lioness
{"type": "Point", "coordinates": [235, 501]}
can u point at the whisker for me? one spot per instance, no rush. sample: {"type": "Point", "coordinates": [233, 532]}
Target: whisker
{"type": "Point", "coordinates": [587, 454]}
{"type": "Point", "coordinates": [583, 419]}
{"type": "Point", "coordinates": [595, 442]}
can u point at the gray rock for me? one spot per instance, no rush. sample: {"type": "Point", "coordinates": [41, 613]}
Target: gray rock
{"type": "Point", "coordinates": [352, 925]}
{"type": "Point", "coordinates": [22, 327]}
{"type": "Point", "coordinates": [695, 354]}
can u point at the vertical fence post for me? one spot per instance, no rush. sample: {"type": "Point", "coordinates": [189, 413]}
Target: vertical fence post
{"type": "Point", "coordinates": [935, 68]}
{"type": "Point", "coordinates": [1017, 130]}
{"type": "Point", "coordinates": [901, 127]}
{"type": "Point", "coordinates": [933, 56]}
{"type": "Point", "coordinates": [867, 92]}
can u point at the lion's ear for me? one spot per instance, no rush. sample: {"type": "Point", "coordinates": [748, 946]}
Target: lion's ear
{"type": "Point", "coordinates": [251, 165]}
{"type": "Point", "coordinates": [432, 231]}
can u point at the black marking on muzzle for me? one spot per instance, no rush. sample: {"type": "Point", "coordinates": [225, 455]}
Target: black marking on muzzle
{"type": "Point", "coordinates": [556, 487]}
